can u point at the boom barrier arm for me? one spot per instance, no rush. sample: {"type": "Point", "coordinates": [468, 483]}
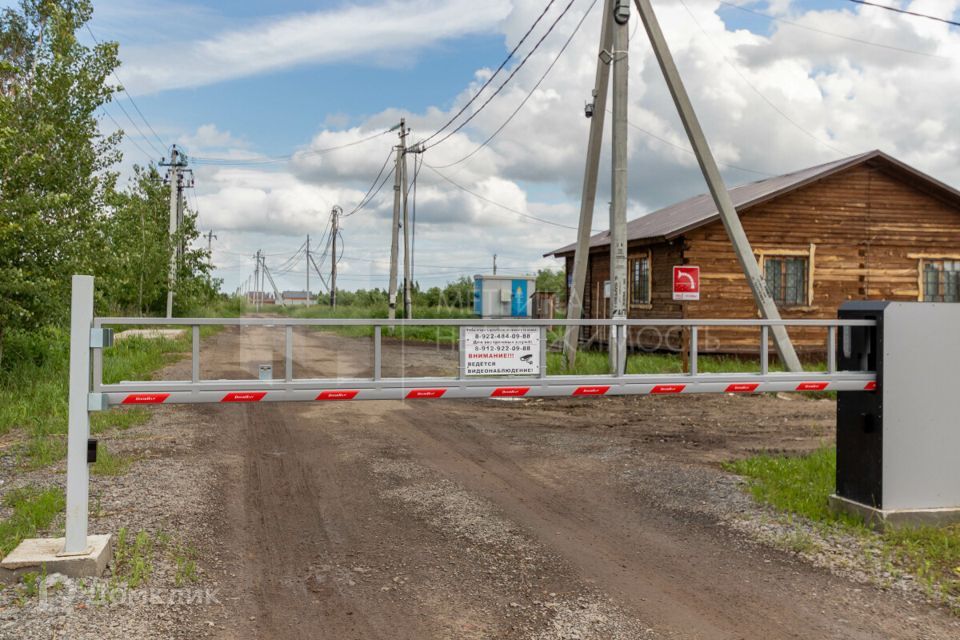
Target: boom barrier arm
{"type": "Point", "coordinates": [539, 384]}
{"type": "Point", "coordinates": [89, 335]}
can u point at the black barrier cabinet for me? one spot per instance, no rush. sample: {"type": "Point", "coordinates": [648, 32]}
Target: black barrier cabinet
{"type": "Point", "coordinates": [860, 415]}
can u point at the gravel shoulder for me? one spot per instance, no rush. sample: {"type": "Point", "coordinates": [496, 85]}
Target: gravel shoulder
{"type": "Point", "coordinates": [591, 519]}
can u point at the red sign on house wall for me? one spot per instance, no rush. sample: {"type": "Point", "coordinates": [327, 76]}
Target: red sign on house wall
{"type": "Point", "coordinates": [686, 283]}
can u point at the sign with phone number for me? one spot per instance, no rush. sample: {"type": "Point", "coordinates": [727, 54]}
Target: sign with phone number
{"type": "Point", "coordinates": [501, 351]}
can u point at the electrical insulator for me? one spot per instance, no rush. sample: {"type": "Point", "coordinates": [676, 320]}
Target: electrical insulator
{"type": "Point", "coordinates": [621, 12]}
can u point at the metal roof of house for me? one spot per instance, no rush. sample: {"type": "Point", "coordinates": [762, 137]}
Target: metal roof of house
{"type": "Point", "coordinates": [672, 221]}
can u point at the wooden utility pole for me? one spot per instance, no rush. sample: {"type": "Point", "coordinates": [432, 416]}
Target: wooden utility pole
{"type": "Point", "coordinates": [618, 210]}
{"type": "Point", "coordinates": [334, 230]}
{"type": "Point", "coordinates": [494, 264]}
{"type": "Point", "coordinates": [395, 230]}
{"type": "Point", "coordinates": [711, 173]}
{"type": "Point", "coordinates": [581, 256]}
{"type": "Point", "coordinates": [210, 238]}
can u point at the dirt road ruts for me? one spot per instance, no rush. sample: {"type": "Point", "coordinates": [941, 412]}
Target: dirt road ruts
{"type": "Point", "coordinates": [446, 519]}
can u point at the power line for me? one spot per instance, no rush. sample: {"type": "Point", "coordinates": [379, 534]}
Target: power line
{"type": "Point", "coordinates": [292, 260]}
{"type": "Point", "coordinates": [413, 229]}
{"type": "Point", "coordinates": [364, 199]}
{"type": "Point", "coordinates": [490, 79]}
{"type": "Point", "coordinates": [773, 106]}
{"type": "Point", "coordinates": [691, 151]}
{"type": "Point", "coordinates": [132, 140]}
{"type": "Point", "coordinates": [364, 204]}
{"type": "Point", "coordinates": [284, 158]}
{"type": "Point", "coordinates": [537, 85]}
{"type": "Point", "coordinates": [529, 94]}
{"type": "Point", "coordinates": [507, 81]}
{"type": "Point", "coordinates": [905, 11]}
{"type": "Point", "coordinates": [831, 33]}
{"type": "Point", "coordinates": [123, 88]}
{"type": "Point", "coordinates": [497, 204]}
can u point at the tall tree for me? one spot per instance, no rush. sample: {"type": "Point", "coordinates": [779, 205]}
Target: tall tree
{"type": "Point", "coordinates": [55, 176]}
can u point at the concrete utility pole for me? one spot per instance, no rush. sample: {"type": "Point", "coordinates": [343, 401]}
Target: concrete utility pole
{"type": "Point", "coordinates": [395, 230]}
{"type": "Point", "coordinates": [618, 211]}
{"type": "Point", "coordinates": [708, 166]}
{"type": "Point", "coordinates": [308, 270]}
{"type": "Point", "coordinates": [173, 175]}
{"type": "Point", "coordinates": [494, 264]}
{"type": "Point", "coordinates": [335, 229]}
{"type": "Point", "coordinates": [277, 297]}
{"type": "Point", "coordinates": [256, 283]}
{"type": "Point", "coordinates": [588, 196]}
{"type": "Point", "coordinates": [407, 285]}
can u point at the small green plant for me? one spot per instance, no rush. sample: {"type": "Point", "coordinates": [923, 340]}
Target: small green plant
{"type": "Point", "coordinates": [800, 485]}
{"type": "Point", "coordinates": [33, 510]}
{"type": "Point", "coordinates": [796, 484]}
{"type": "Point", "coordinates": [598, 363]}
{"type": "Point", "coordinates": [109, 464]}
{"type": "Point", "coordinates": [186, 570]}
{"type": "Point", "coordinates": [799, 541]}
{"type": "Point", "coordinates": [132, 560]}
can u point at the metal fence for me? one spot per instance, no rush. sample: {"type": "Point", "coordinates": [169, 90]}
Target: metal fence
{"type": "Point", "coordinates": [89, 336]}
{"type": "Point", "coordinates": [377, 387]}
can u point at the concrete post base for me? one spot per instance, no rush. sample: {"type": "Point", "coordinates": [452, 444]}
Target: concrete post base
{"type": "Point", "coordinates": [895, 518]}
{"type": "Point", "coordinates": [35, 554]}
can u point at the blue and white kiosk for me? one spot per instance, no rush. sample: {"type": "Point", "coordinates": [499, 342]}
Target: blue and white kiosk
{"type": "Point", "coordinates": [497, 296]}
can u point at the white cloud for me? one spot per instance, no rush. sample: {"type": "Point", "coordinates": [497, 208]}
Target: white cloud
{"type": "Point", "coordinates": [347, 33]}
{"type": "Point", "coordinates": [762, 101]}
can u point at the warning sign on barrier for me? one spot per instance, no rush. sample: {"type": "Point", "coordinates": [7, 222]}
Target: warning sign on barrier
{"type": "Point", "coordinates": [501, 351]}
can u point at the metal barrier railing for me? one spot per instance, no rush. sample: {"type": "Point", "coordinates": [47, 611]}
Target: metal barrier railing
{"type": "Point", "coordinates": [90, 335]}
{"type": "Point", "coordinates": [536, 382]}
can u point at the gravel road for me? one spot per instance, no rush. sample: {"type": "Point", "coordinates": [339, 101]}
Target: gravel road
{"type": "Point", "coordinates": [591, 519]}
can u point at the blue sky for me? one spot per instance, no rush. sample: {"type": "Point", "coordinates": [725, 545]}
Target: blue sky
{"type": "Point", "coordinates": [277, 112]}
{"type": "Point", "coordinates": [253, 79]}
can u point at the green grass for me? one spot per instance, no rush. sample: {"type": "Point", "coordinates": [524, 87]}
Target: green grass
{"type": "Point", "coordinates": [800, 485]}
{"type": "Point", "coordinates": [132, 558]}
{"type": "Point", "coordinates": [589, 362]}
{"type": "Point", "coordinates": [34, 385]}
{"type": "Point", "coordinates": [427, 334]}
{"type": "Point", "coordinates": [109, 464]}
{"type": "Point", "coordinates": [597, 363]}
{"type": "Point", "coordinates": [33, 511]}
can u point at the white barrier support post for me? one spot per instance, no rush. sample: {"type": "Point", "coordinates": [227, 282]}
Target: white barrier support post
{"type": "Point", "coordinates": [78, 478]}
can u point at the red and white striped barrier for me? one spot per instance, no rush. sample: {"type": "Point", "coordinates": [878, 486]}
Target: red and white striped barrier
{"type": "Point", "coordinates": [455, 390]}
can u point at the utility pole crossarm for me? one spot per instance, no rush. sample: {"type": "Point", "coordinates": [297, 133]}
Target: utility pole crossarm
{"type": "Point", "coordinates": [711, 172]}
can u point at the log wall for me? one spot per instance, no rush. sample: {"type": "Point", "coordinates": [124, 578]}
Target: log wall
{"type": "Point", "coordinates": [864, 231]}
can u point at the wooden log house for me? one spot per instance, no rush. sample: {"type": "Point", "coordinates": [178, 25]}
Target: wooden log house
{"type": "Point", "coordinates": [865, 227]}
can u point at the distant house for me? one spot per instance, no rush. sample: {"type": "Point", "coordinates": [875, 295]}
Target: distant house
{"type": "Point", "coordinates": [260, 296]}
{"type": "Point", "coordinates": [865, 227]}
{"type": "Point", "coordinates": [296, 297]}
